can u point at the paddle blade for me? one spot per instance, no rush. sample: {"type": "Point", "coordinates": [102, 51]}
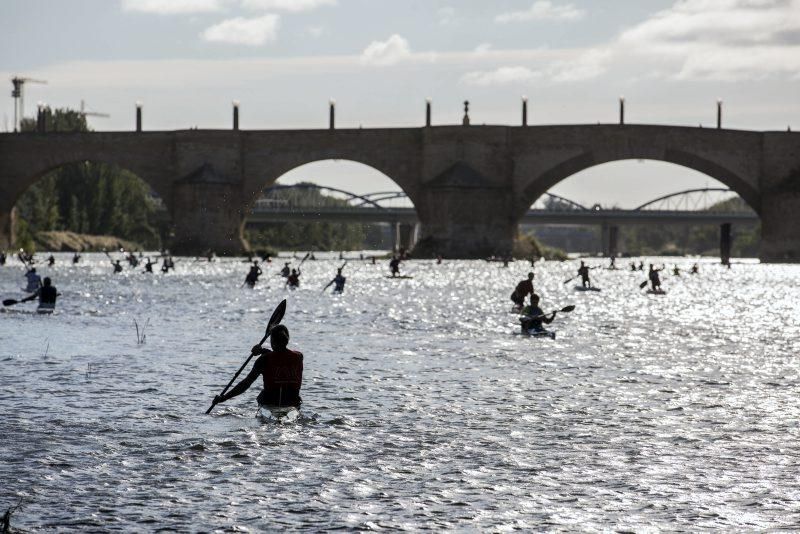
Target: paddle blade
{"type": "Point", "coordinates": [277, 317]}
{"type": "Point", "coordinates": [567, 309]}
{"type": "Point", "coordinates": [643, 284]}
{"type": "Point", "coordinates": [10, 302]}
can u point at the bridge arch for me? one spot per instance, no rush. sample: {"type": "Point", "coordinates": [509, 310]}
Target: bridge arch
{"type": "Point", "coordinates": [586, 161]}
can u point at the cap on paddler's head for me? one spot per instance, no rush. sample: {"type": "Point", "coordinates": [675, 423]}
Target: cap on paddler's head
{"type": "Point", "coordinates": [47, 281]}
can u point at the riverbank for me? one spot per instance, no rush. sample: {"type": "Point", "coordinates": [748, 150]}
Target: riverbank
{"type": "Point", "coordinates": [72, 242]}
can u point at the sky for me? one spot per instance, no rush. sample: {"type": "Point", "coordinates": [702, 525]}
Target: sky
{"type": "Point", "coordinates": [283, 60]}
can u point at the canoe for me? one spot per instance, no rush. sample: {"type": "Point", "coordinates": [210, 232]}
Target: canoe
{"type": "Point", "coordinates": [281, 413]}
{"type": "Point", "coordinates": [537, 333]}
{"type": "Point", "coordinates": [581, 288]}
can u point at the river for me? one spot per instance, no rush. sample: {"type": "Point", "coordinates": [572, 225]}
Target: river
{"type": "Point", "coordinates": [422, 408]}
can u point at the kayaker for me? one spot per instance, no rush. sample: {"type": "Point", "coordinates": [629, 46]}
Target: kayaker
{"type": "Point", "coordinates": [633, 266]}
{"type": "Point", "coordinates": [285, 271]}
{"type": "Point", "coordinates": [655, 279]}
{"type": "Point", "coordinates": [34, 281]}
{"type": "Point", "coordinates": [534, 316]}
{"type": "Point", "coordinates": [148, 266]}
{"type": "Point", "coordinates": [676, 271]}
{"type": "Point", "coordinates": [523, 289]}
{"type": "Point", "coordinates": [613, 264]}
{"type": "Point", "coordinates": [76, 258]}
{"type": "Point", "coordinates": [583, 272]}
{"type": "Point", "coordinates": [394, 266]}
{"type": "Point", "coordinates": [117, 266]}
{"type": "Point", "coordinates": [338, 282]}
{"type": "Point", "coordinates": [641, 266]}
{"type": "Point", "coordinates": [293, 281]}
{"type": "Point", "coordinates": [281, 369]}
{"type": "Point", "coordinates": [47, 295]}
{"type": "Point", "coordinates": [695, 269]}
{"type": "Point", "coordinates": [51, 260]}
{"type": "Point", "coordinates": [2, 258]}
{"type": "Point", "coordinates": [252, 276]}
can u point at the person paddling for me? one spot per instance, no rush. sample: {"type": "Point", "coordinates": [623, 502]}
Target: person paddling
{"type": "Point", "coordinates": [338, 282]}
{"type": "Point", "coordinates": [148, 266]}
{"type": "Point", "coordinates": [281, 370]}
{"type": "Point", "coordinates": [695, 269]}
{"type": "Point", "coordinates": [293, 281]}
{"type": "Point", "coordinates": [655, 279]}
{"type": "Point", "coordinates": [34, 281]}
{"type": "Point", "coordinates": [534, 316]}
{"type": "Point", "coordinates": [76, 258]}
{"type": "Point", "coordinates": [523, 289]}
{"type": "Point", "coordinates": [51, 260]}
{"type": "Point", "coordinates": [285, 272]}
{"type": "Point", "coordinates": [47, 295]}
{"type": "Point", "coordinates": [676, 271]}
{"type": "Point", "coordinates": [394, 266]}
{"type": "Point", "coordinates": [2, 258]}
{"type": "Point", "coordinates": [117, 266]}
{"type": "Point", "coordinates": [583, 272]}
{"type": "Point", "coordinates": [252, 276]}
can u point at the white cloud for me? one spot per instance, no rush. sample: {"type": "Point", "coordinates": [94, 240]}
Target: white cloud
{"type": "Point", "coordinates": [173, 7]}
{"type": "Point", "coordinates": [587, 66]}
{"type": "Point", "coordinates": [483, 48]}
{"type": "Point", "coordinates": [388, 52]}
{"type": "Point", "coordinates": [542, 10]}
{"type": "Point", "coordinates": [242, 31]}
{"type": "Point", "coordinates": [722, 39]}
{"type": "Point", "coordinates": [447, 15]}
{"type": "Point", "coordinates": [286, 5]}
{"type": "Point", "coordinates": [501, 76]}
{"type": "Point", "coordinates": [315, 31]}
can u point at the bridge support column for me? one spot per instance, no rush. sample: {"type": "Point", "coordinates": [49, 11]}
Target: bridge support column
{"type": "Point", "coordinates": [466, 223]}
{"type": "Point", "coordinates": [725, 241]}
{"type": "Point", "coordinates": [7, 228]}
{"type": "Point", "coordinates": [208, 216]}
{"type": "Point", "coordinates": [610, 240]}
{"type": "Point", "coordinates": [780, 227]}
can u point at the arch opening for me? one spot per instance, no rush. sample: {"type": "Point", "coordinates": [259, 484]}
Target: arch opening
{"type": "Point", "coordinates": [331, 205]}
{"type": "Point", "coordinates": [67, 206]}
{"type": "Point", "coordinates": [651, 207]}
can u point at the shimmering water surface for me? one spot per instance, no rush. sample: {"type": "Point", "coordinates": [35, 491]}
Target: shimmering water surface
{"type": "Point", "coordinates": [422, 409]}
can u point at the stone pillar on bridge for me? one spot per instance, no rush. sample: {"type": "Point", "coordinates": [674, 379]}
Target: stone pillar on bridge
{"type": "Point", "coordinates": [7, 228]}
{"type": "Point", "coordinates": [610, 236]}
{"type": "Point", "coordinates": [780, 227]}
{"type": "Point", "coordinates": [207, 214]}
{"type": "Point", "coordinates": [464, 215]}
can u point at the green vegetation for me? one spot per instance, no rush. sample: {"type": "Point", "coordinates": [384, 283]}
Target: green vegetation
{"type": "Point", "coordinates": [310, 235]}
{"type": "Point", "coordinates": [85, 197]}
{"type": "Point", "coordinates": [527, 246]}
{"type": "Point", "coordinates": [681, 240]}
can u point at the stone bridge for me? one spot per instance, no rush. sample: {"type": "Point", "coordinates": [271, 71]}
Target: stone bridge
{"type": "Point", "coordinates": [470, 185]}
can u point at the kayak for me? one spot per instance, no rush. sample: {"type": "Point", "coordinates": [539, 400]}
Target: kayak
{"type": "Point", "coordinates": [659, 292]}
{"type": "Point", "coordinates": [281, 413]}
{"type": "Point", "coordinates": [581, 288]}
{"type": "Point", "coordinates": [537, 333]}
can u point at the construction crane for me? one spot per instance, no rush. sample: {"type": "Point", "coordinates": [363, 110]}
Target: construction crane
{"type": "Point", "coordinates": [84, 113]}
{"type": "Point", "coordinates": [18, 94]}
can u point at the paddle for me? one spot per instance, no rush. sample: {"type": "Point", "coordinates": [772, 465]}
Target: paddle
{"type": "Point", "coordinates": [304, 259]}
{"type": "Point", "coordinates": [276, 318]}
{"type": "Point", "coordinates": [11, 302]}
{"type": "Point", "coordinates": [565, 309]}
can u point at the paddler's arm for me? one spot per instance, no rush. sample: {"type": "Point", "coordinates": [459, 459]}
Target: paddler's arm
{"type": "Point", "coordinates": [549, 320]}
{"type": "Point", "coordinates": [246, 382]}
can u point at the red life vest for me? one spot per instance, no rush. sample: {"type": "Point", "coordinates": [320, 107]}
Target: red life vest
{"type": "Point", "coordinates": [282, 369]}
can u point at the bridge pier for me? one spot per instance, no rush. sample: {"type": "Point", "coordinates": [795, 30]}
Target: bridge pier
{"type": "Point", "coordinates": [725, 242]}
{"type": "Point", "coordinates": [780, 227]}
{"type": "Point", "coordinates": [207, 215]}
{"type": "Point", "coordinates": [7, 228]}
{"type": "Point", "coordinates": [610, 236]}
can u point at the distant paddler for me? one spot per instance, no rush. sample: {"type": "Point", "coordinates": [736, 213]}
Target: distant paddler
{"type": "Point", "coordinates": [394, 265]}
{"type": "Point", "coordinates": [286, 271]}
{"type": "Point", "coordinates": [34, 281]}
{"type": "Point", "coordinates": [655, 278]}
{"type": "Point", "coordinates": [76, 258]}
{"type": "Point", "coordinates": [2, 257]}
{"type": "Point", "coordinates": [252, 276]}
{"type": "Point", "coordinates": [583, 272]}
{"type": "Point", "coordinates": [51, 260]}
{"type": "Point", "coordinates": [695, 269]}
{"type": "Point", "coordinates": [148, 266]}
{"type": "Point", "coordinates": [293, 281]}
{"type": "Point", "coordinates": [523, 289]}
{"type": "Point", "coordinates": [47, 295]}
{"type": "Point", "coordinates": [281, 370]}
{"type": "Point", "coordinates": [534, 317]}
{"type": "Point", "coordinates": [338, 281]}
{"type": "Point", "coordinates": [117, 266]}
{"type": "Point", "coordinates": [676, 271]}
